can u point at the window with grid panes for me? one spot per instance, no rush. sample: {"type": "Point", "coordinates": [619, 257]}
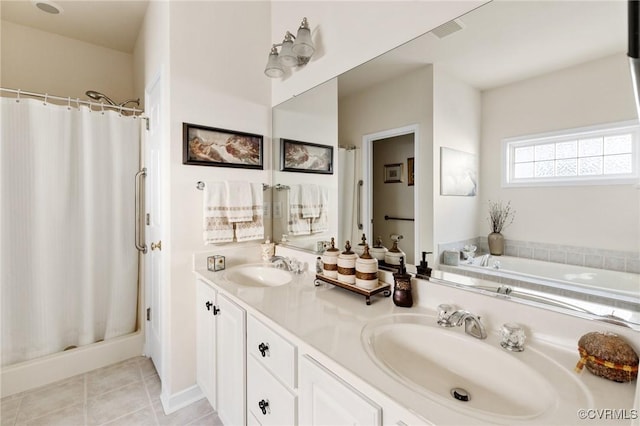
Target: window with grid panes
{"type": "Point", "coordinates": [595, 155]}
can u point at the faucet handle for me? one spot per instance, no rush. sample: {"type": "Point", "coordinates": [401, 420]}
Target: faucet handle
{"type": "Point", "coordinates": [444, 315]}
{"type": "Point", "coordinates": [513, 337]}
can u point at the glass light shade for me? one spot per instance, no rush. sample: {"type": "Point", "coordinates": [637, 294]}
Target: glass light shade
{"type": "Point", "coordinates": [274, 68]}
{"type": "Point", "coordinates": [287, 57]}
{"type": "Point", "coordinates": [303, 45]}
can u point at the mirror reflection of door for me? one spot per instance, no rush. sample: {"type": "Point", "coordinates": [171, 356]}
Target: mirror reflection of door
{"type": "Point", "coordinates": [393, 193]}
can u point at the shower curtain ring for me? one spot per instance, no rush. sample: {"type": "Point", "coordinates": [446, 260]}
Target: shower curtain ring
{"type": "Point", "coordinates": [78, 103]}
{"type": "Point", "coordinates": [120, 111]}
{"type": "Point", "coordinates": [69, 103]}
{"type": "Point", "coordinates": [102, 105]}
{"type": "Point", "coordinates": [18, 98]}
{"type": "Point", "coordinates": [46, 95]}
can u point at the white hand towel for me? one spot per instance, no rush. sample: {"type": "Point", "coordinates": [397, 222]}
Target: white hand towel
{"type": "Point", "coordinates": [217, 228]}
{"type": "Point", "coordinates": [310, 200]}
{"type": "Point", "coordinates": [239, 202]}
{"type": "Point", "coordinates": [254, 228]}
{"type": "Point", "coordinates": [321, 223]}
{"type": "Point", "coordinates": [297, 225]}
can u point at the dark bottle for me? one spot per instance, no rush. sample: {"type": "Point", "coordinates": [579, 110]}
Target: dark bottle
{"type": "Point", "coordinates": [402, 287]}
{"type": "Point", "coordinates": [423, 270]}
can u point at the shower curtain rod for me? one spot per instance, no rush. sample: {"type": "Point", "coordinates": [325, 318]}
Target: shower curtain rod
{"type": "Point", "coordinates": [76, 102]}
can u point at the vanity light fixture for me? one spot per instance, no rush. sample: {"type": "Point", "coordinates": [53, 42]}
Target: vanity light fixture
{"type": "Point", "coordinates": [294, 51]}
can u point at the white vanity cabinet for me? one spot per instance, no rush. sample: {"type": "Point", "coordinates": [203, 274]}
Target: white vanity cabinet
{"type": "Point", "coordinates": [325, 399]}
{"type": "Point", "coordinates": [271, 376]}
{"type": "Point", "coordinates": [221, 353]}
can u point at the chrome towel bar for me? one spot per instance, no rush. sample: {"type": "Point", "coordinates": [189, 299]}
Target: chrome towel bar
{"type": "Point", "coordinates": [200, 185]}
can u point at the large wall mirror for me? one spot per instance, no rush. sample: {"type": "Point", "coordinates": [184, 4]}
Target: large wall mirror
{"type": "Point", "coordinates": [504, 70]}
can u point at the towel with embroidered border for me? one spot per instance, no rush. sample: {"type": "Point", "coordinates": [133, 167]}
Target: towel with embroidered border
{"type": "Point", "coordinates": [310, 200]}
{"type": "Point", "coordinates": [297, 225]}
{"type": "Point", "coordinates": [217, 228]}
{"type": "Point", "coordinates": [239, 201]}
{"type": "Point", "coordinates": [321, 222]}
{"type": "Point", "coordinates": [252, 229]}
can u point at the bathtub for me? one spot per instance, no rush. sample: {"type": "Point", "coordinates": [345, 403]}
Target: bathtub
{"type": "Point", "coordinates": [619, 290]}
{"type": "Point", "coordinates": [51, 368]}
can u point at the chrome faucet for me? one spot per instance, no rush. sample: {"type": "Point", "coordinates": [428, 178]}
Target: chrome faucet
{"type": "Point", "coordinates": [484, 259]}
{"type": "Point", "coordinates": [291, 265]}
{"type": "Point", "coordinates": [472, 324]}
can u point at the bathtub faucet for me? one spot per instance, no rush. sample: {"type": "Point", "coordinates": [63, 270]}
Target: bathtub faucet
{"type": "Point", "coordinates": [484, 259]}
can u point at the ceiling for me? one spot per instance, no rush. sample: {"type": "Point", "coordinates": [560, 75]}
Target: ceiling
{"type": "Point", "coordinates": [507, 41]}
{"type": "Point", "coordinates": [501, 42]}
{"type": "Point", "coordinates": [111, 24]}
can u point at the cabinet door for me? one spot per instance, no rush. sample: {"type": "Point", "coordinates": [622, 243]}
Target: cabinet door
{"type": "Point", "coordinates": [231, 362]}
{"type": "Point", "coordinates": [205, 341]}
{"type": "Point", "coordinates": [325, 399]}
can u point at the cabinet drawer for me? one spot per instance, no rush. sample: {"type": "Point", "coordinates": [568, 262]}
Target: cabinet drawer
{"type": "Point", "coordinates": [263, 388]}
{"type": "Point", "coordinates": [272, 351]}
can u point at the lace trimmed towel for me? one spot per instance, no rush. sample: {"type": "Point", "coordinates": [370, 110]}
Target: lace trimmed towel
{"type": "Point", "coordinates": [321, 222]}
{"type": "Point", "coordinates": [217, 228]}
{"type": "Point", "coordinates": [310, 200]}
{"type": "Point", "coordinates": [252, 229]}
{"type": "Point", "coordinates": [297, 224]}
{"type": "Point", "coordinates": [226, 215]}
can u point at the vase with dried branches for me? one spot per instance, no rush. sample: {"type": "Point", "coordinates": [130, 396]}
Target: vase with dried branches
{"type": "Point", "coordinates": [500, 216]}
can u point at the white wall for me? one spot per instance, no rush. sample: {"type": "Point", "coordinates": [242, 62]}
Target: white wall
{"type": "Point", "coordinates": [456, 125]}
{"type": "Point", "coordinates": [39, 61]}
{"type": "Point", "coordinates": [605, 216]}
{"type": "Point", "coordinates": [400, 102]}
{"type": "Point", "coordinates": [216, 80]}
{"type": "Point", "coordinates": [348, 33]}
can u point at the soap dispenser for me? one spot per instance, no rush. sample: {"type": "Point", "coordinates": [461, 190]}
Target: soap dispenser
{"type": "Point", "coordinates": [402, 287]}
{"type": "Point", "coordinates": [268, 250]}
{"type": "Point", "coordinates": [330, 261]}
{"type": "Point", "coordinates": [423, 270]}
{"type": "Point", "coordinates": [347, 265]}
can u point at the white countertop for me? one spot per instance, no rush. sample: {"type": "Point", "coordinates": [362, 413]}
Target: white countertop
{"type": "Point", "coordinates": [330, 320]}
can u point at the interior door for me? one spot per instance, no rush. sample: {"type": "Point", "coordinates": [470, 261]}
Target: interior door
{"type": "Point", "coordinates": [153, 220]}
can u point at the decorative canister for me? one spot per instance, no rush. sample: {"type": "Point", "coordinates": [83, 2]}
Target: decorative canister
{"type": "Point", "coordinates": [378, 250]}
{"type": "Point", "coordinates": [330, 261]}
{"type": "Point", "coordinates": [347, 265]}
{"type": "Point", "coordinates": [394, 255]}
{"type": "Point", "coordinates": [359, 249]}
{"type": "Point", "coordinates": [366, 270]}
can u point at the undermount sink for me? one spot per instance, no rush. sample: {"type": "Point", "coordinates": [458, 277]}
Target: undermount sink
{"type": "Point", "coordinates": [471, 375]}
{"type": "Point", "coordinates": [258, 275]}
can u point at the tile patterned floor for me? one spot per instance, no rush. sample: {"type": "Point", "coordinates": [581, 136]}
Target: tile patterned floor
{"type": "Point", "coordinates": [123, 394]}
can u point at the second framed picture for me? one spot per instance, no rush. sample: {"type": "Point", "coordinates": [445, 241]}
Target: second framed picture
{"type": "Point", "coordinates": [305, 157]}
{"type": "Point", "coordinates": [209, 146]}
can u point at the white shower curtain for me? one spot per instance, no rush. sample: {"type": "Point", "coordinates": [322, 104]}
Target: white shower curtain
{"type": "Point", "coordinates": [349, 173]}
{"type": "Point", "coordinates": [69, 268]}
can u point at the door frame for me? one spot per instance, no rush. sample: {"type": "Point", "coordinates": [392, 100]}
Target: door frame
{"type": "Point", "coordinates": [367, 174]}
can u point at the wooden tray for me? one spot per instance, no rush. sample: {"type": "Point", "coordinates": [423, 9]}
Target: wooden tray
{"type": "Point", "coordinates": [383, 288]}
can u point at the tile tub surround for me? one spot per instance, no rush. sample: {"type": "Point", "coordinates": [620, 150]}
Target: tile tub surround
{"type": "Point", "coordinates": [126, 393]}
{"type": "Point", "coordinates": [326, 322]}
{"type": "Point", "coordinates": [613, 260]}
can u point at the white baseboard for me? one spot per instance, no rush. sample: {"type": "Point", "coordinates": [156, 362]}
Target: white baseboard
{"type": "Point", "coordinates": [172, 403]}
